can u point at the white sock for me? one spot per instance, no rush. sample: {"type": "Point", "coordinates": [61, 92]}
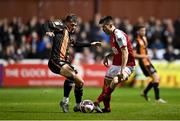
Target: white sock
{"type": "Point", "coordinates": [66, 100]}
{"type": "Point", "coordinates": [77, 104]}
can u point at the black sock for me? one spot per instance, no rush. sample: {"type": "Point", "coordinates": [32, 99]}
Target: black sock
{"type": "Point", "coordinates": [156, 90]}
{"type": "Point", "coordinates": [78, 94]}
{"type": "Point", "coordinates": [67, 87]}
{"type": "Point", "coordinates": [149, 86]}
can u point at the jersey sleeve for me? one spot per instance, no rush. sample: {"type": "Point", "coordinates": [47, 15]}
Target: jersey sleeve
{"type": "Point", "coordinates": [79, 44]}
{"type": "Point", "coordinates": [120, 39]}
{"type": "Point", "coordinates": [55, 25]}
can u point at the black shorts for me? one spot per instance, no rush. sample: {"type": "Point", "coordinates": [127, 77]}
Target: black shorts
{"type": "Point", "coordinates": [55, 65]}
{"type": "Point", "coordinates": [148, 70]}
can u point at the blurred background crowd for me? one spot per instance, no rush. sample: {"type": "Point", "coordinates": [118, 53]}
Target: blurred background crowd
{"type": "Point", "coordinates": [19, 40]}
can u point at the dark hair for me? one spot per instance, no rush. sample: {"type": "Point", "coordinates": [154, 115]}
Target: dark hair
{"type": "Point", "coordinates": [71, 18]}
{"type": "Point", "coordinates": [138, 27]}
{"type": "Point", "coordinates": [106, 20]}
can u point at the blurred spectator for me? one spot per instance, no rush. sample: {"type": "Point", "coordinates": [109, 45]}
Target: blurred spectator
{"type": "Point", "coordinates": [157, 54]}
{"type": "Point", "coordinates": [157, 44]}
{"type": "Point", "coordinates": [95, 29]}
{"type": "Point", "coordinates": [104, 36]}
{"type": "Point", "coordinates": [155, 35]}
{"type": "Point", "coordinates": [169, 55]}
{"type": "Point", "coordinates": [43, 47]}
{"type": "Point", "coordinates": [99, 55]}
{"type": "Point", "coordinates": [126, 26]}
{"type": "Point", "coordinates": [20, 40]}
{"type": "Point", "coordinates": [176, 42]}
{"type": "Point", "coordinates": [87, 57]}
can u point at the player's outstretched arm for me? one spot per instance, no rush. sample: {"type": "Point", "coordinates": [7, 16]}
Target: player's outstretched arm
{"type": "Point", "coordinates": [138, 56]}
{"type": "Point", "coordinates": [96, 44]}
{"type": "Point", "coordinates": [93, 44]}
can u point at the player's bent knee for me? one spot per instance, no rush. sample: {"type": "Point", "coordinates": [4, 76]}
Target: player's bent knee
{"type": "Point", "coordinates": [78, 78]}
{"type": "Point", "coordinates": [79, 82]}
{"type": "Point", "coordinates": [115, 80]}
{"type": "Point", "coordinates": [80, 85]}
{"type": "Point", "coordinates": [156, 78]}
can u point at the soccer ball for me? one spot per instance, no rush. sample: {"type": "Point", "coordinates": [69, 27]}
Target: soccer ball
{"type": "Point", "coordinates": [87, 106]}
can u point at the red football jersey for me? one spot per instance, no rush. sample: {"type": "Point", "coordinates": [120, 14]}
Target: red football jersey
{"type": "Point", "coordinates": [118, 39]}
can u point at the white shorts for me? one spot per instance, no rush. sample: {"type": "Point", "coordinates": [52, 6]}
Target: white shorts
{"type": "Point", "coordinates": [115, 70]}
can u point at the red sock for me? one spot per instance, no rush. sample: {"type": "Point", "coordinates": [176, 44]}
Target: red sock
{"type": "Point", "coordinates": [107, 102]}
{"type": "Point", "coordinates": [101, 97]}
{"type": "Point", "coordinates": [108, 91]}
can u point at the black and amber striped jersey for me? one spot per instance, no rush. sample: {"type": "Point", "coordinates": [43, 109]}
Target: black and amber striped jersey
{"type": "Point", "coordinates": [141, 48]}
{"type": "Point", "coordinates": [61, 41]}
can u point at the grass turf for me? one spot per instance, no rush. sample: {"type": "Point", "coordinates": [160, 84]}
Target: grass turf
{"type": "Point", "coordinates": [42, 103]}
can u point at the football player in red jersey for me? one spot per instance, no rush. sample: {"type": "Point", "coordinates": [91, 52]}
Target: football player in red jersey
{"type": "Point", "coordinates": [122, 64]}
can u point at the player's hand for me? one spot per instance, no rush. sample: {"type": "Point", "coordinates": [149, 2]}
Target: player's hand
{"type": "Point", "coordinates": [120, 77]}
{"type": "Point", "coordinates": [51, 34]}
{"type": "Point", "coordinates": [105, 62]}
{"type": "Point", "coordinates": [96, 44]}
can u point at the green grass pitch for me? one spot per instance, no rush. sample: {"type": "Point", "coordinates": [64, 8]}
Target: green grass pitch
{"type": "Point", "coordinates": [42, 103]}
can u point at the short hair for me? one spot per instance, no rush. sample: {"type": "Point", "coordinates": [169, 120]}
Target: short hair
{"type": "Point", "coordinates": [106, 20]}
{"type": "Point", "coordinates": [71, 18]}
{"type": "Point", "coordinates": [138, 27]}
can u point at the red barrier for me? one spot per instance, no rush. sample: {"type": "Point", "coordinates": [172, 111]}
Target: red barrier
{"type": "Point", "coordinates": [39, 75]}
